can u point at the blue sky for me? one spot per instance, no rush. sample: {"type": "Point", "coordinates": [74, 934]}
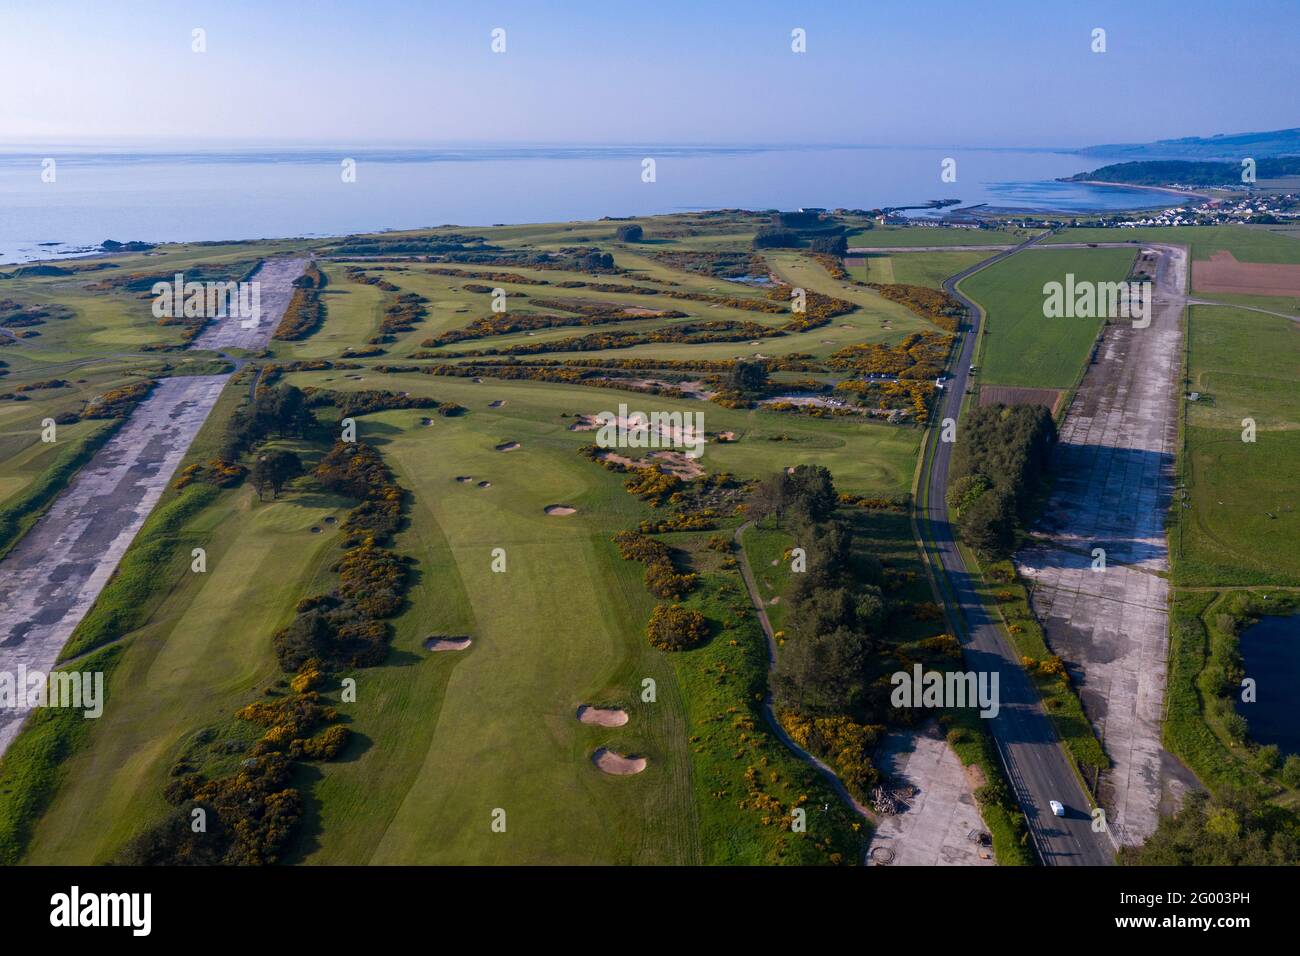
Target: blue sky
{"type": "Point", "coordinates": [875, 72]}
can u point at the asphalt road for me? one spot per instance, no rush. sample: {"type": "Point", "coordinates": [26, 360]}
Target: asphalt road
{"type": "Point", "coordinates": [1037, 767]}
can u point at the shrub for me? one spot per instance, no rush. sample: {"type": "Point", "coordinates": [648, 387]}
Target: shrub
{"type": "Point", "coordinates": [676, 628]}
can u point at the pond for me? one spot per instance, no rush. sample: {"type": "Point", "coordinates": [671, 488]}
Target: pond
{"type": "Point", "coordinates": [1270, 651]}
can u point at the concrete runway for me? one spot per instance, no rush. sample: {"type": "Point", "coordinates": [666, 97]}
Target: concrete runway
{"type": "Point", "coordinates": [1114, 478]}
{"type": "Point", "coordinates": [935, 828]}
{"type": "Point", "coordinates": [52, 577]}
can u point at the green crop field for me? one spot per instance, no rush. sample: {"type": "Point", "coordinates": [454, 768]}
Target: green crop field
{"type": "Point", "coordinates": [1019, 345]}
{"type": "Point", "coordinates": [1242, 525]}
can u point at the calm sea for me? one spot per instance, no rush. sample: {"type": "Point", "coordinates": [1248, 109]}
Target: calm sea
{"type": "Point", "coordinates": [99, 194]}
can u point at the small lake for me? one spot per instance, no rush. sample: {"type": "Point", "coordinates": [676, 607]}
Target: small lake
{"type": "Point", "coordinates": [1271, 652]}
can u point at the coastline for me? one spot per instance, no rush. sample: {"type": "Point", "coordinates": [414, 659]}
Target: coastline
{"type": "Point", "coordinates": [1159, 189]}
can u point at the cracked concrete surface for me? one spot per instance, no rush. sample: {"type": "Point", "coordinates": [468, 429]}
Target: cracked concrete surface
{"type": "Point", "coordinates": [1113, 474]}
{"type": "Point", "coordinates": [936, 828]}
{"type": "Point", "coordinates": [54, 574]}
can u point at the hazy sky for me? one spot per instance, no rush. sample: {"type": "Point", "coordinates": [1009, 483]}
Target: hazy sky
{"type": "Point", "coordinates": [657, 71]}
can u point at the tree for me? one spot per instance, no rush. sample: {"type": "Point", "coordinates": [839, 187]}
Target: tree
{"type": "Point", "coordinates": [308, 635]}
{"type": "Point", "coordinates": [1233, 829]}
{"type": "Point", "coordinates": [628, 233]}
{"type": "Point", "coordinates": [290, 411]}
{"type": "Point", "coordinates": [963, 492]}
{"type": "Point", "coordinates": [596, 262]}
{"type": "Point", "coordinates": [988, 524]}
{"type": "Point", "coordinates": [1291, 771]}
{"type": "Point", "coordinates": [822, 674]}
{"type": "Point", "coordinates": [831, 245]}
{"type": "Point", "coordinates": [812, 492]}
{"type": "Point", "coordinates": [747, 378]}
{"type": "Point", "coordinates": [273, 469]}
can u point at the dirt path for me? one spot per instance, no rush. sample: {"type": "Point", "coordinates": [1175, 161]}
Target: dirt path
{"type": "Point", "coordinates": [50, 579]}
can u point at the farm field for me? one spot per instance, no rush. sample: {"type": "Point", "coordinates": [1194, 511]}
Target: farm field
{"type": "Point", "coordinates": [1246, 243]}
{"type": "Point", "coordinates": [1243, 525]}
{"type": "Point", "coordinates": [1019, 345]}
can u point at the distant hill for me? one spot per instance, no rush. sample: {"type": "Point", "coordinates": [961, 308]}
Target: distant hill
{"type": "Point", "coordinates": [1237, 146]}
{"type": "Point", "coordinates": [1185, 172]}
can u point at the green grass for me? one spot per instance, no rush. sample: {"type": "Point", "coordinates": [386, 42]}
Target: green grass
{"type": "Point", "coordinates": [915, 268]}
{"type": "Point", "coordinates": [765, 547]}
{"type": "Point", "coordinates": [1246, 366]}
{"type": "Point", "coordinates": [1019, 345]}
{"type": "Point", "coordinates": [931, 236]}
{"type": "Point", "coordinates": [43, 476]}
{"type": "Point", "coordinates": [35, 764]}
{"type": "Point", "coordinates": [1287, 305]}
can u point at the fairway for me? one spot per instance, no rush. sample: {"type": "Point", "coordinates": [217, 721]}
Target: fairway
{"type": "Point", "coordinates": [913, 268]}
{"type": "Point", "coordinates": [1019, 345]}
{"type": "Point", "coordinates": [934, 236]}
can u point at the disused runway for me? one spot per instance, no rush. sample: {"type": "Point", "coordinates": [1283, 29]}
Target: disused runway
{"type": "Point", "coordinates": [1114, 476]}
{"type": "Point", "coordinates": [941, 824]}
{"type": "Point", "coordinates": [52, 577]}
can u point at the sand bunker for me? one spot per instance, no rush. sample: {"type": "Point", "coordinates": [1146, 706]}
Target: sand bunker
{"type": "Point", "coordinates": [426, 421]}
{"type": "Point", "coordinates": [497, 404]}
{"type": "Point", "coordinates": [508, 446]}
{"type": "Point", "coordinates": [315, 530]}
{"type": "Point", "coordinates": [602, 716]}
{"type": "Point", "coordinates": [666, 462]}
{"type": "Point", "coordinates": [560, 511]}
{"type": "Point", "coordinates": [485, 484]}
{"type": "Point", "coordinates": [726, 436]}
{"type": "Point", "coordinates": [464, 479]}
{"type": "Point", "coordinates": [330, 519]}
{"type": "Point", "coordinates": [617, 764]}
{"type": "Point", "coordinates": [585, 423]}
{"type": "Point", "coordinates": [436, 644]}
